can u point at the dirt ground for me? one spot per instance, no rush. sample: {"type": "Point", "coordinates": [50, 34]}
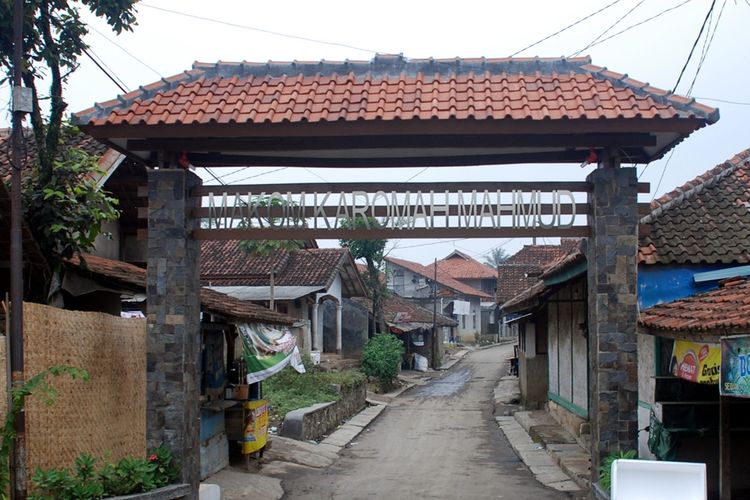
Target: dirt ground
{"type": "Point", "coordinates": [436, 441]}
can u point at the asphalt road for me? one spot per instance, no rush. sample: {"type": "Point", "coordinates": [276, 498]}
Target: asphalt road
{"type": "Point", "coordinates": [436, 441]}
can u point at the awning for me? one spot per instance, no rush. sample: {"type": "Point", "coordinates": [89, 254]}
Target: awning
{"type": "Point", "coordinates": [267, 351]}
{"type": "Point", "coordinates": [264, 292]}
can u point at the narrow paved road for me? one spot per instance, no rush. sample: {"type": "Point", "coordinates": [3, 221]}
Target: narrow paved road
{"type": "Point", "coordinates": [436, 441]}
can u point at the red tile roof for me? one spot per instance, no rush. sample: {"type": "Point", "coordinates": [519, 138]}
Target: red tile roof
{"type": "Point", "coordinates": [392, 88]}
{"type": "Point", "coordinates": [725, 310]}
{"type": "Point", "coordinates": [460, 266]}
{"type": "Point", "coordinates": [211, 300]}
{"type": "Point", "coordinates": [442, 277]}
{"type": "Point", "coordinates": [707, 220]}
{"type": "Point", "coordinates": [521, 271]}
{"type": "Point", "coordinates": [223, 263]}
{"type": "Point", "coordinates": [397, 309]}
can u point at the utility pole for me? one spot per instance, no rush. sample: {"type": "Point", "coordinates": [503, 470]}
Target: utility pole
{"type": "Point", "coordinates": [435, 345]}
{"type": "Point", "coordinates": [20, 104]}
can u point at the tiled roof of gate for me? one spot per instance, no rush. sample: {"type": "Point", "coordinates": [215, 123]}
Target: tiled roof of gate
{"type": "Point", "coordinates": [726, 308]}
{"type": "Point", "coordinates": [707, 220]}
{"type": "Point", "coordinates": [393, 88]}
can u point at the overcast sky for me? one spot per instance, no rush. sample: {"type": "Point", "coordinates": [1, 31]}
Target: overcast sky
{"type": "Point", "coordinates": [166, 43]}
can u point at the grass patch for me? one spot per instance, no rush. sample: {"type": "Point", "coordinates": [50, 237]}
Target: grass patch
{"type": "Point", "coordinates": [289, 390]}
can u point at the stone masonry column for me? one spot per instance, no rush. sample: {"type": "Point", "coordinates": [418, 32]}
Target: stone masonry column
{"type": "Point", "coordinates": [612, 310]}
{"type": "Point", "coordinates": [173, 337]}
{"type": "Point", "coordinates": [339, 340]}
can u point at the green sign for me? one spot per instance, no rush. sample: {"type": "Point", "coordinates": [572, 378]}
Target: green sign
{"type": "Point", "coordinates": [735, 366]}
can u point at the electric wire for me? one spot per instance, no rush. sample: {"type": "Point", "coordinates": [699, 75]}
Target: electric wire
{"type": "Point", "coordinates": [565, 28]}
{"type": "Point", "coordinates": [313, 173]}
{"type": "Point", "coordinates": [725, 101]}
{"type": "Point", "coordinates": [692, 49]}
{"type": "Point", "coordinates": [124, 50]}
{"type": "Point", "coordinates": [663, 171]}
{"type": "Point", "coordinates": [639, 23]}
{"type": "Point", "coordinates": [418, 173]}
{"type": "Point", "coordinates": [260, 174]}
{"type": "Point", "coordinates": [222, 183]}
{"type": "Point", "coordinates": [124, 91]}
{"type": "Point", "coordinates": [706, 47]}
{"type": "Point", "coordinates": [101, 60]}
{"type": "Point", "coordinates": [260, 30]}
{"type": "Point", "coordinates": [609, 29]}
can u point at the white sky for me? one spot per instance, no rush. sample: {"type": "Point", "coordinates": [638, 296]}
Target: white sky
{"type": "Point", "coordinates": [654, 52]}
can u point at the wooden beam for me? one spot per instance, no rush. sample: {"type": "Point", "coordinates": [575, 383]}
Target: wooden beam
{"type": "Point", "coordinates": [566, 156]}
{"type": "Point", "coordinates": [287, 143]}
{"type": "Point", "coordinates": [383, 234]}
{"type": "Point", "coordinates": [399, 187]}
{"type": "Point", "coordinates": [379, 211]}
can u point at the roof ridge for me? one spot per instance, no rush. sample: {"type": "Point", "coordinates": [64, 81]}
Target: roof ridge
{"type": "Point", "coordinates": [696, 185]}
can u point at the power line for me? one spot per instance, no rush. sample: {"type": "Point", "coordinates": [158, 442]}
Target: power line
{"type": "Point", "coordinates": [123, 49]}
{"type": "Point", "coordinates": [706, 47]}
{"type": "Point", "coordinates": [124, 91]}
{"type": "Point", "coordinates": [316, 175]}
{"type": "Point", "coordinates": [692, 49]}
{"type": "Point", "coordinates": [663, 170]}
{"type": "Point", "coordinates": [262, 173]}
{"type": "Point", "coordinates": [432, 243]}
{"type": "Point", "coordinates": [565, 28]}
{"type": "Point", "coordinates": [260, 30]}
{"type": "Point", "coordinates": [608, 29]}
{"type": "Point", "coordinates": [101, 60]}
{"type": "Point", "coordinates": [218, 179]}
{"type": "Point", "coordinates": [413, 176]}
{"type": "Point", "coordinates": [639, 23]}
{"type": "Point", "coordinates": [726, 101]}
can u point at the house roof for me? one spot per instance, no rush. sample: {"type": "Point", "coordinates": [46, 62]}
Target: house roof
{"type": "Point", "coordinates": [571, 93]}
{"type": "Point", "coordinates": [406, 315]}
{"type": "Point", "coordinates": [521, 270]}
{"type": "Point", "coordinates": [706, 220]}
{"type": "Point", "coordinates": [211, 300]}
{"type": "Point", "coordinates": [442, 277]}
{"type": "Point", "coordinates": [723, 311]}
{"type": "Point", "coordinates": [458, 265]}
{"type": "Point", "coordinates": [223, 263]}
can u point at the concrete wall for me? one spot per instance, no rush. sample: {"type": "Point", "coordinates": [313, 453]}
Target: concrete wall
{"type": "Point", "coordinates": [646, 388]}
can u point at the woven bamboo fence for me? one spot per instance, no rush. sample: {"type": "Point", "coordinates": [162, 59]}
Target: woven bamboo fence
{"type": "Point", "coordinates": [105, 416]}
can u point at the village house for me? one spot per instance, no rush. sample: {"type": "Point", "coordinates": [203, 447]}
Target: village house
{"type": "Point", "coordinates": [454, 299]}
{"type": "Point", "coordinates": [693, 238]}
{"type": "Point", "coordinates": [310, 284]}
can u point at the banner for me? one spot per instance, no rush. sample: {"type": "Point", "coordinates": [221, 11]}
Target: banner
{"type": "Point", "coordinates": [267, 351]}
{"type": "Point", "coordinates": [735, 366]}
{"type": "Point", "coordinates": [696, 362]}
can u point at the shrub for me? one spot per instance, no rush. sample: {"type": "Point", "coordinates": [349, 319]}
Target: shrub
{"type": "Point", "coordinates": [86, 481]}
{"type": "Point", "coordinates": [381, 358]}
{"type": "Point", "coordinates": [605, 470]}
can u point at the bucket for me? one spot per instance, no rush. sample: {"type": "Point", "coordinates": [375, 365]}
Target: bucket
{"type": "Point", "coordinates": [315, 356]}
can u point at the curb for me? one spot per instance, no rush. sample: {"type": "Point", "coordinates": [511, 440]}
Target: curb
{"type": "Point", "coordinates": [345, 434]}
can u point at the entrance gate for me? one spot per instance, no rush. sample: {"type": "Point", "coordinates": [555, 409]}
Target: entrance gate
{"type": "Point", "coordinates": [387, 113]}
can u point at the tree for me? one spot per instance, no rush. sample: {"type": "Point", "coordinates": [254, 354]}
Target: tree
{"type": "Point", "coordinates": [495, 257]}
{"type": "Point", "coordinates": [273, 248]}
{"type": "Point", "coordinates": [63, 210]}
{"type": "Point", "coordinates": [372, 251]}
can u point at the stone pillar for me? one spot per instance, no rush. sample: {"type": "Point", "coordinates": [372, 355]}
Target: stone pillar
{"type": "Point", "coordinates": [307, 337]}
{"type": "Point", "coordinates": [173, 339]}
{"type": "Point", "coordinates": [339, 342]}
{"type": "Point", "coordinates": [612, 310]}
{"type": "Point", "coordinates": [317, 331]}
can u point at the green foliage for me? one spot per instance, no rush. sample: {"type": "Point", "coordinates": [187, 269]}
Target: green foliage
{"type": "Point", "coordinates": [495, 257]}
{"type": "Point", "coordinates": [605, 470]}
{"type": "Point", "coordinates": [381, 358]}
{"type": "Point", "coordinates": [66, 212]}
{"type": "Point", "coordinates": [35, 385]}
{"type": "Point", "coordinates": [289, 390]}
{"type": "Point", "coordinates": [86, 481]}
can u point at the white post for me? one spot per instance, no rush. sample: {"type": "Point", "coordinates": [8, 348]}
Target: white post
{"type": "Point", "coordinates": [339, 342]}
{"type": "Point", "coordinates": [316, 333]}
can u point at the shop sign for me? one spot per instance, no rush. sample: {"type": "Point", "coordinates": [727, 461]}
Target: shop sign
{"type": "Point", "coordinates": [696, 362]}
{"type": "Point", "coordinates": [735, 366]}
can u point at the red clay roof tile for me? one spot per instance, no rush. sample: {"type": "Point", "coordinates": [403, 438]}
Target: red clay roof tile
{"type": "Point", "coordinates": [442, 277]}
{"type": "Point", "coordinates": [391, 88]}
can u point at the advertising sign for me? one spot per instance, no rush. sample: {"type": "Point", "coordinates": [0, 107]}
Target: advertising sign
{"type": "Point", "coordinates": [735, 366]}
{"type": "Point", "coordinates": [256, 426]}
{"type": "Point", "coordinates": [696, 362]}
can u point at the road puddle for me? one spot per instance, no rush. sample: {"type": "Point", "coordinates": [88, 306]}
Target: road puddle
{"type": "Point", "coordinates": [446, 386]}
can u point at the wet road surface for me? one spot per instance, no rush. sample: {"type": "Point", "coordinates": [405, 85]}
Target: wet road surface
{"type": "Point", "coordinates": [438, 441]}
